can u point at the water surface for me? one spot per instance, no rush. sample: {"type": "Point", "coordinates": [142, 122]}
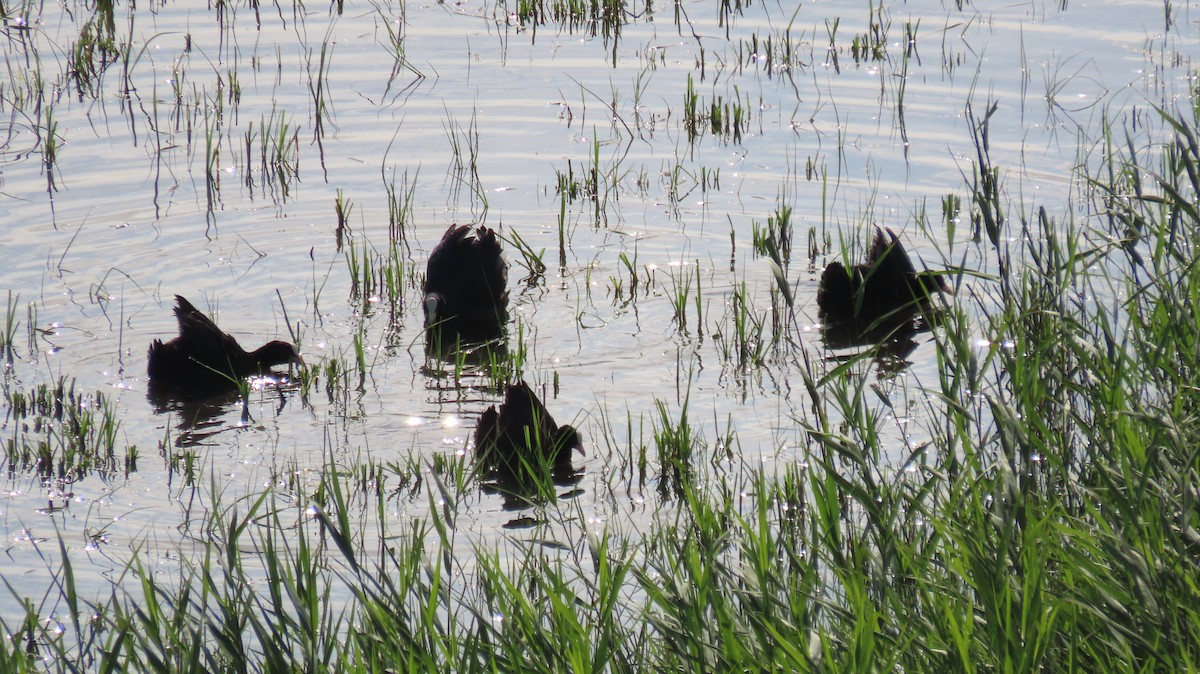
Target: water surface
{"type": "Point", "coordinates": [208, 163]}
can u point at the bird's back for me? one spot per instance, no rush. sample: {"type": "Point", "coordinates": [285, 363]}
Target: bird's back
{"type": "Point", "coordinates": [465, 283]}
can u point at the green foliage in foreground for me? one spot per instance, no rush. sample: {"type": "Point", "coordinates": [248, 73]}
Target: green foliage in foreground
{"type": "Point", "coordinates": [1050, 523]}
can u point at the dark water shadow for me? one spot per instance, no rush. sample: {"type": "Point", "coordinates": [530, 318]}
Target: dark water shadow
{"type": "Point", "coordinates": [891, 340]}
{"type": "Point", "coordinates": [527, 489]}
{"type": "Point", "coordinates": [201, 413]}
{"type": "Point", "coordinates": [444, 359]}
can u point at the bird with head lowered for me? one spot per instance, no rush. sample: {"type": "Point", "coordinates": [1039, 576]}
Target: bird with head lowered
{"type": "Point", "coordinates": [204, 360]}
{"type": "Point", "coordinates": [466, 298]}
{"type": "Point", "coordinates": [885, 286]}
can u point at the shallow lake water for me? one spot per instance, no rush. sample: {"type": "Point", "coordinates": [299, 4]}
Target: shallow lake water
{"type": "Point", "coordinates": [210, 160]}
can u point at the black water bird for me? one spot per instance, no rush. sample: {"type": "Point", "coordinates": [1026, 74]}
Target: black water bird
{"type": "Point", "coordinates": [203, 360]}
{"type": "Point", "coordinates": [520, 437]}
{"type": "Point", "coordinates": [466, 298]}
{"type": "Point", "coordinates": [886, 286]}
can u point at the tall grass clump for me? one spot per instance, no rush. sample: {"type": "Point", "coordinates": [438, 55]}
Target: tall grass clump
{"type": "Point", "coordinates": [1058, 490]}
{"type": "Point", "coordinates": [96, 49]}
{"type": "Point", "coordinates": [9, 333]}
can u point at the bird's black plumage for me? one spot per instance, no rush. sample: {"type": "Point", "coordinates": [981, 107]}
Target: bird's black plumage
{"type": "Point", "coordinates": [886, 285]}
{"type": "Point", "coordinates": [203, 360]}
{"type": "Point", "coordinates": [466, 298]}
{"type": "Point", "coordinates": [521, 435]}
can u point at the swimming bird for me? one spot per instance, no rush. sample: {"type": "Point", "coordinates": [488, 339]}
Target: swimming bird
{"type": "Point", "coordinates": [885, 286]}
{"type": "Point", "coordinates": [521, 435]}
{"type": "Point", "coordinates": [465, 285]}
{"type": "Point", "coordinates": [204, 360]}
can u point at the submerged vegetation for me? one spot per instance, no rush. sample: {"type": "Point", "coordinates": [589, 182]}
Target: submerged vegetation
{"type": "Point", "coordinates": [61, 434]}
{"type": "Point", "coordinates": [1026, 501]}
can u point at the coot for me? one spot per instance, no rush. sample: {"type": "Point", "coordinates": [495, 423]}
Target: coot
{"type": "Point", "coordinates": [465, 294]}
{"type": "Point", "coordinates": [204, 360]}
{"type": "Point", "coordinates": [885, 285]}
{"type": "Point", "coordinates": [521, 435]}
